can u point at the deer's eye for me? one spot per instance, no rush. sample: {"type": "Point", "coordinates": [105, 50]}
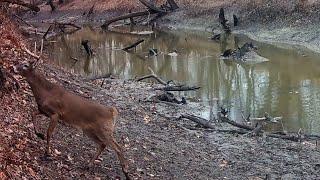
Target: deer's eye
{"type": "Point", "coordinates": [25, 66]}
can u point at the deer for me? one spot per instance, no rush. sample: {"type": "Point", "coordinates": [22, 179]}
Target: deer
{"type": "Point", "coordinates": [95, 120]}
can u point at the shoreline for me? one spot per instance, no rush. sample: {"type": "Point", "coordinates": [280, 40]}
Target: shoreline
{"type": "Point", "coordinates": [308, 38]}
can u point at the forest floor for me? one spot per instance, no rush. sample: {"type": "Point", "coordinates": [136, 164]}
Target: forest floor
{"type": "Point", "coordinates": [156, 142]}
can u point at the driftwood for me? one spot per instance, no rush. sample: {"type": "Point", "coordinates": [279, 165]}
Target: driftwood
{"type": "Point", "coordinates": [169, 97]}
{"type": "Point", "coordinates": [233, 123]}
{"type": "Point", "coordinates": [235, 21]}
{"type": "Point", "coordinates": [179, 88]}
{"type": "Point", "coordinates": [245, 129]}
{"type": "Point", "coordinates": [85, 44]}
{"type": "Point", "coordinates": [127, 16]}
{"type": "Point", "coordinates": [133, 45]}
{"type": "Point", "coordinates": [201, 121]}
{"type": "Point", "coordinates": [152, 75]}
{"type": "Point", "coordinates": [161, 11]}
{"type": "Point", "coordinates": [46, 33]}
{"type": "Point", "coordinates": [22, 3]}
{"type": "Point", "coordinates": [223, 21]}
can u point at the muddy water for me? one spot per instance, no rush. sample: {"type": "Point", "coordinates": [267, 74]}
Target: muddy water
{"type": "Point", "coordinates": [288, 85]}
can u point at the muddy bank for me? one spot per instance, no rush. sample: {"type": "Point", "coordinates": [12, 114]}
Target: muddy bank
{"type": "Point", "coordinates": [294, 37]}
{"type": "Point", "coordinates": [292, 22]}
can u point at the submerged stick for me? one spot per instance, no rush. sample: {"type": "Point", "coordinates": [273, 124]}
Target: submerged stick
{"type": "Point", "coordinates": [152, 75]}
{"type": "Point", "coordinates": [133, 45]}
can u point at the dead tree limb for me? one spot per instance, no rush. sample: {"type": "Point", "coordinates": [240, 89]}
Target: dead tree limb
{"type": "Point", "coordinates": [244, 129]}
{"type": "Point", "coordinates": [151, 10]}
{"type": "Point", "coordinates": [46, 33]}
{"type": "Point", "coordinates": [21, 3]}
{"type": "Point", "coordinates": [152, 75]}
{"type": "Point", "coordinates": [133, 45]}
{"type": "Point", "coordinates": [50, 3]}
{"type": "Point", "coordinates": [233, 123]}
{"type": "Point", "coordinates": [235, 21]}
{"type": "Point", "coordinates": [86, 46]}
{"type": "Point", "coordinates": [173, 5]}
{"type": "Point", "coordinates": [223, 21]}
{"type": "Point", "coordinates": [201, 121]}
{"type": "Point", "coordinates": [127, 16]}
{"type": "Point", "coordinates": [90, 12]}
{"type": "Point", "coordinates": [152, 7]}
{"type": "Point", "coordinates": [179, 88]}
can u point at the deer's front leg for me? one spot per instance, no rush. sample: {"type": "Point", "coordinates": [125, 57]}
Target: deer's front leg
{"type": "Point", "coordinates": [53, 123]}
{"type": "Point", "coordinates": [34, 114]}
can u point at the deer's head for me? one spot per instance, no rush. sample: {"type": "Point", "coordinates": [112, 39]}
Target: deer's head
{"type": "Point", "coordinates": [25, 68]}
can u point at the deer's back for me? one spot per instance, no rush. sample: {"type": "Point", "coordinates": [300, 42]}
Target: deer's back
{"type": "Point", "coordinates": [86, 114]}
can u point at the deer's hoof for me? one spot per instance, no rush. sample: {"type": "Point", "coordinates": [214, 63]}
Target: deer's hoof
{"type": "Point", "coordinates": [46, 157]}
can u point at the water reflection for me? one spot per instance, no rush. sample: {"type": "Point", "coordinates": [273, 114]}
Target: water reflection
{"type": "Point", "coordinates": [288, 85]}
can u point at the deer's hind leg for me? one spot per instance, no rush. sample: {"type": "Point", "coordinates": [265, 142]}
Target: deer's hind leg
{"type": "Point", "coordinates": [117, 148]}
{"type": "Point", "coordinates": [101, 145]}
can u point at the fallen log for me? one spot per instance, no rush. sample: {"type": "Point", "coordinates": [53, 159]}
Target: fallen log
{"type": "Point", "coordinates": [151, 10]}
{"type": "Point", "coordinates": [178, 88]}
{"type": "Point", "coordinates": [127, 16]}
{"type": "Point", "coordinates": [133, 45]}
{"type": "Point", "coordinates": [201, 121]}
{"type": "Point", "coordinates": [152, 75]}
{"type": "Point", "coordinates": [233, 123]}
{"type": "Point", "coordinates": [21, 3]}
{"type": "Point", "coordinates": [244, 129]}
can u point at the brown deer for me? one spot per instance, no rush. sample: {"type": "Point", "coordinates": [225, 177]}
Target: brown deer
{"type": "Point", "coordinates": [95, 120]}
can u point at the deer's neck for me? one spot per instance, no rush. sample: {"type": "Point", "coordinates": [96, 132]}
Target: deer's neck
{"type": "Point", "coordinates": [38, 83]}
